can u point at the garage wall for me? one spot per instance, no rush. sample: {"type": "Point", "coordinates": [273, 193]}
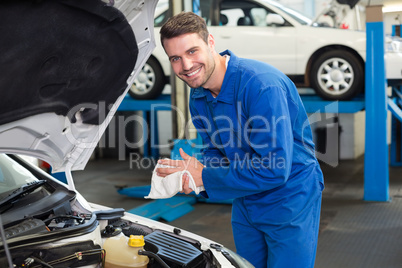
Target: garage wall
{"type": "Point", "coordinates": [392, 18]}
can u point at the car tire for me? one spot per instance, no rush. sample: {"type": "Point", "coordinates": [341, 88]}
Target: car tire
{"type": "Point", "coordinates": [337, 75]}
{"type": "Point", "coordinates": [150, 81]}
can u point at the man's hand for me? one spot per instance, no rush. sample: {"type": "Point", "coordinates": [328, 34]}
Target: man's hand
{"type": "Point", "coordinates": [191, 164]}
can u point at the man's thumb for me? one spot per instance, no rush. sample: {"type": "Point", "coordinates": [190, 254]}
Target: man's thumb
{"type": "Point", "coordinates": [183, 154]}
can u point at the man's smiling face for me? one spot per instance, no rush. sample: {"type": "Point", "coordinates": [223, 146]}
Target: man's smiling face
{"type": "Point", "coordinates": [191, 58]}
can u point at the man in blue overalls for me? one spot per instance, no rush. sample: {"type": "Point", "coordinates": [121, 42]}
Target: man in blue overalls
{"type": "Point", "coordinates": [259, 149]}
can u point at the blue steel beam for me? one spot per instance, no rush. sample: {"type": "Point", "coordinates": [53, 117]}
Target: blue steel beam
{"type": "Point", "coordinates": [313, 104]}
{"type": "Point", "coordinates": [149, 109]}
{"type": "Point", "coordinates": [376, 173]}
{"type": "Point", "coordinates": [394, 108]}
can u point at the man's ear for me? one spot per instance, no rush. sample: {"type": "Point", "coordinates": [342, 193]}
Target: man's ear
{"type": "Point", "coordinates": [211, 42]}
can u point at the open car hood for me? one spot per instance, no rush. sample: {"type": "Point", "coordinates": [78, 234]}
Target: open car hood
{"type": "Point", "coordinates": [65, 67]}
{"type": "Point", "coordinates": [336, 11]}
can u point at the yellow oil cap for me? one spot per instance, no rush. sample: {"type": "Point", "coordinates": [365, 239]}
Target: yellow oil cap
{"type": "Point", "coordinates": [136, 241]}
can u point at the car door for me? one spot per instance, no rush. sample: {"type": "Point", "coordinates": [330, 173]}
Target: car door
{"type": "Point", "coordinates": [242, 28]}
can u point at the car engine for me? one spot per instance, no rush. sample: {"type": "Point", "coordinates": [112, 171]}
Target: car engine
{"type": "Point", "coordinates": [75, 239]}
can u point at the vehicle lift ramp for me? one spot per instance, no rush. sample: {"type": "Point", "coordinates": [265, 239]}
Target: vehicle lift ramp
{"type": "Point", "coordinates": [395, 105]}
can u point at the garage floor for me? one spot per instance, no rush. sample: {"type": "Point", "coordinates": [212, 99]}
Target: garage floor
{"type": "Point", "coordinates": [353, 233]}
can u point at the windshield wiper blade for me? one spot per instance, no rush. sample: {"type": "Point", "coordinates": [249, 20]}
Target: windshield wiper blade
{"type": "Point", "coordinates": [21, 192]}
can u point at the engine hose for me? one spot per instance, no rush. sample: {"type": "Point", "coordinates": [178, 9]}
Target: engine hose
{"type": "Point", "coordinates": [134, 231]}
{"type": "Point", "coordinates": [153, 255]}
{"type": "Point", "coordinates": [42, 263]}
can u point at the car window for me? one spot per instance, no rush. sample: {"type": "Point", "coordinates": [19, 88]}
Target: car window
{"type": "Point", "coordinates": [230, 17]}
{"type": "Point", "coordinates": [161, 19]}
{"type": "Point", "coordinates": [302, 19]}
{"type": "Point", "coordinates": [258, 16]}
{"type": "Point", "coordinates": [243, 13]}
{"type": "Point", "coordinates": [202, 9]}
{"type": "Point", "coordinates": [12, 175]}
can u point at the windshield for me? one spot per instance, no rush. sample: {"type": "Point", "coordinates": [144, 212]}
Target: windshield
{"type": "Point", "coordinates": [12, 176]}
{"type": "Point", "coordinates": [302, 19]}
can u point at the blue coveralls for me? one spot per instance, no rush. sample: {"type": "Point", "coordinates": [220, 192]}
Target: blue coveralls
{"type": "Point", "coordinates": [259, 152]}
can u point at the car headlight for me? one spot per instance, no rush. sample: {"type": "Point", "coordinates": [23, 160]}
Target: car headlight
{"type": "Point", "coordinates": [235, 259]}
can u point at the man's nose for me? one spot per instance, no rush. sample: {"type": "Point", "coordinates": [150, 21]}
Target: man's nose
{"type": "Point", "coordinates": [186, 63]}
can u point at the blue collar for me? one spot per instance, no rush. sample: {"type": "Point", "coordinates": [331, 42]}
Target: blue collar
{"type": "Point", "coordinates": [227, 90]}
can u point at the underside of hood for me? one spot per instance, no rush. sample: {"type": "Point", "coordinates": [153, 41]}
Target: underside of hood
{"type": "Point", "coordinates": [65, 67]}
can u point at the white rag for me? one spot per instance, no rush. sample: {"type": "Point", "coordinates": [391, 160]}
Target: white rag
{"type": "Point", "coordinates": [166, 187]}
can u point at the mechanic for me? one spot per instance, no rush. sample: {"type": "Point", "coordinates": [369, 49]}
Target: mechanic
{"type": "Point", "coordinates": [258, 146]}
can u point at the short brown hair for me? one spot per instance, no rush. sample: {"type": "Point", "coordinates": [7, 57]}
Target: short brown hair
{"type": "Point", "coordinates": [184, 23]}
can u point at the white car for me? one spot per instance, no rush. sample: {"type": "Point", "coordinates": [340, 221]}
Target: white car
{"type": "Point", "coordinates": [330, 60]}
{"type": "Point", "coordinates": [66, 66]}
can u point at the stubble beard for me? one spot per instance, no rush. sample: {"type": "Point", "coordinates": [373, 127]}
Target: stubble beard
{"type": "Point", "coordinates": [207, 76]}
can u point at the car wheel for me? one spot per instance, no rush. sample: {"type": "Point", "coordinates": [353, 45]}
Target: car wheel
{"type": "Point", "coordinates": [149, 83]}
{"type": "Point", "coordinates": [337, 75]}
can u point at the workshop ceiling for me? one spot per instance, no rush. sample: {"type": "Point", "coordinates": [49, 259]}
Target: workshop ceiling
{"type": "Point", "coordinates": [383, 2]}
{"type": "Point", "coordinates": [396, 5]}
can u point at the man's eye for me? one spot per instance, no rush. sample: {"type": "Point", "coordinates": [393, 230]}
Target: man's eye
{"type": "Point", "coordinates": [192, 51]}
{"type": "Point", "coordinates": [175, 59]}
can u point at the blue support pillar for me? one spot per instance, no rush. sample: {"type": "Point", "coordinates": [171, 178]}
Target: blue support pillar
{"type": "Point", "coordinates": [397, 30]}
{"type": "Point", "coordinates": [196, 7]}
{"type": "Point", "coordinates": [376, 173]}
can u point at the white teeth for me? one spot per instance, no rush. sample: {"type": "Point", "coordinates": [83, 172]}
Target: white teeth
{"type": "Point", "coordinates": [193, 73]}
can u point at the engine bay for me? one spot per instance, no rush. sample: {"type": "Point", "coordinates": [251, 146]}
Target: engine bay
{"type": "Point", "coordinates": [43, 223]}
{"type": "Point", "coordinates": [76, 239]}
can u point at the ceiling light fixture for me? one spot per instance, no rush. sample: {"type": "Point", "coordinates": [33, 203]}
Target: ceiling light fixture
{"type": "Point", "coordinates": [389, 9]}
